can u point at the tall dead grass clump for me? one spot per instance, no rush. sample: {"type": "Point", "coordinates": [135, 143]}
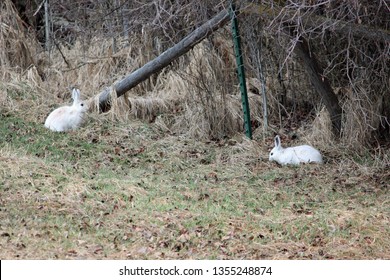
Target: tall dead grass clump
{"type": "Point", "coordinates": [362, 117]}
{"type": "Point", "coordinates": [92, 66]}
{"type": "Point", "coordinates": [22, 92]}
{"type": "Point", "coordinates": [212, 104]}
{"type": "Point", "coordinates": [19, 76]}
{"type": "Point", "coordinates": [17, 47]}
{"type": "Point", "coordinates": [320, 130]}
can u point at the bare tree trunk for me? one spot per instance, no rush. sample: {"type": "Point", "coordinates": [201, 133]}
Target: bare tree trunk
{"type": "Point", "coordinates": [255, 53]}
{"type": "Point", "coordinates": [164, 59]}
{"type": "Point", "coordinates": [125, 22]}
{"type": "Point", "coordinates": [111, 25]}
{"type": "Point", "coordinates": [264, 96]}
{"type": "Point", "coordinates": [47, 26]}
{"type": "Point", "coordinates": [321, 84]}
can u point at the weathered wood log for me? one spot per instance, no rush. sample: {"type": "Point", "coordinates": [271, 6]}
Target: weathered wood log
{"type": "Point", "coordinates": [163, 60]}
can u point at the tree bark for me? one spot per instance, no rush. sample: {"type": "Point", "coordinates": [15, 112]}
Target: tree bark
{"type": "Point", "coordinates": [47, 26]}
{"type": "Point", "coordinates": [164, 59]}
{"type": "Point", "coordinates": [321, 84]}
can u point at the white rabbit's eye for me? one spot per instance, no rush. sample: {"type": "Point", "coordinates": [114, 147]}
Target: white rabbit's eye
{"type": "Point", "coordinates": [272, 154]}
{"type": "Point", "coordinates": [82, 104]}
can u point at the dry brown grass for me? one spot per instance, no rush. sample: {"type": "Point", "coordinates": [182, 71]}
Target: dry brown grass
{"type": "Point", "coordinates": [17, 47]}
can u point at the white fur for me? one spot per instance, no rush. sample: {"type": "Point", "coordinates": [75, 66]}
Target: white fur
{"type": "Point", "coordinates": [294, 155]}
{"type": "Point", "coordinates": [67, 117]}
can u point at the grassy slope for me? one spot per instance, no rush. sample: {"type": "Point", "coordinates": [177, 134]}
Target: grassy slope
{"type": "Point", "coordinates": [129, 191]}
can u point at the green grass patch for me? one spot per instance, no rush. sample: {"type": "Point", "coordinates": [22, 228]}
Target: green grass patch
{"type": "Point", "coordinates": [103, 192]}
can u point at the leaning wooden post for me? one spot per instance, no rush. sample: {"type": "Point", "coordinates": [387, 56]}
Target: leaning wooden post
{"type": "Point", "coordinates": [241, 72]}
{"type": "Point", "coordinates": [164, 59]}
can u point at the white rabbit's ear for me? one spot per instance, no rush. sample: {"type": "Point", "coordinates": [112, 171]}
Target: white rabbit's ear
{"type": "Point", "coordinates": [277, 141]}
{"type": "Point", "coordinates": [75, 94]}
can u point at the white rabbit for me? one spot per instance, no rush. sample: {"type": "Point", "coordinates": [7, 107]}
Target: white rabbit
{"type": "Point", "coordinates": [67, 117]}
{"type": "Point", "coordinates": [294, 155]}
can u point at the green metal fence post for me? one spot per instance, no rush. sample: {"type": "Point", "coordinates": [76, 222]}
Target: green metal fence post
{"type": "Point", "coordinates": [241, 72]}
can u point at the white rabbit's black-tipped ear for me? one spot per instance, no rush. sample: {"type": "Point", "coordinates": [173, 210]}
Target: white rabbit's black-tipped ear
{"type": "Point", "coordinates": [277, 141]}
